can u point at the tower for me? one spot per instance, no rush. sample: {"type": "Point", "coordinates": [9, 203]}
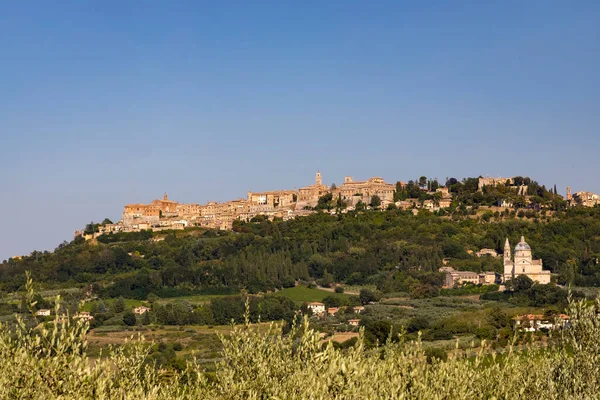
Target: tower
{"type": "Point", "coordinates": [318, 179]}
{"type": "Point", "coordinates": [508, 263]}
{"type": "Point", "coordinates": [506, 251]}
{"type": "Point", "coordinates": [568, 193]}
{"type": "Point", "coordinates": [165, 197]}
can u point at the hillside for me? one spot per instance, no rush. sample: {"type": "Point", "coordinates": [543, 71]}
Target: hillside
{"type": "Point", "coordinates": [394, 250]}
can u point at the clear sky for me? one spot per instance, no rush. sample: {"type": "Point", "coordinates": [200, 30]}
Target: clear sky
{"type": "Point", "coordinates": [104, 103]}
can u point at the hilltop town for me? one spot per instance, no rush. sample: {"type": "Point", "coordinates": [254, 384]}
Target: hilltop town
{"type": "Point", "coordinates": [166, 214]}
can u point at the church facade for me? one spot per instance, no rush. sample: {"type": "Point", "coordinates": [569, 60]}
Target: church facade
{"type": "Point", "coordinates": [523, 264]}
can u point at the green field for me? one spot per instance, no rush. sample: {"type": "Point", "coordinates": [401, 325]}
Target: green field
{"type": "Point", "coordinates": [301, 294]}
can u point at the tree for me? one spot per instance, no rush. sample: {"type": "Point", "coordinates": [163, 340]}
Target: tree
{"type": "Point", "coordinates": [119, 305]}
{"type": "Point", "coordinates": [417, 324]}
{"type": "Point", "coordinates": [522, 283]}
{"type": "Point", "coordinates": [146, 318]}
{"type": "Point", "coordinates": [324, 202]}
{"type": "Point", "coordinates": [332, 187]}
{"type": "Point", "coordinates": [423, 181]}
{"type": "Point", "coordinates": [360, 206]}
{"type": "Point", "coordinates": [367, 296]}
{"type": "Point", "coordinates": [332, 301]}
{"type": "Point", "coordinates": [91, 228]}
{"type": "Point", "coordinates": [129, 318]}
{"type": "Point", "coordinates": [451, 181]}
{"type": "Point", "coordinates": [375, 201]}
{"type": "Point", "coordinates": [288, 282]}
{"type": "Point", "coordinates": [106, 221]}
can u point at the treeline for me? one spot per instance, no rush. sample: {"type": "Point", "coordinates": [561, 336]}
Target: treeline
{"type": "Point", "coordinates": [219, 311]}
{"type": "Point", "coordinates": [393, 250]}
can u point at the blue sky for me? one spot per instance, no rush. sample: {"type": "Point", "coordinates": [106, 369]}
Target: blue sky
{"type": "Point", "coordinates": [104, 103]}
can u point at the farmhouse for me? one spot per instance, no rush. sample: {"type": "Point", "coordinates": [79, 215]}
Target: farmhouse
{"type": "Point", "coordinates": [535, 322]}
{"type": "Point", "coordinates": [84, 315]}
{"type": "Point", "coordinates": [140, 310]}
{"type": "Point", "coordinates": [316, 308]}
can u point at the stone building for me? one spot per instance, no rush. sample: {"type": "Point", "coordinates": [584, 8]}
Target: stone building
{"type": "Point", "coordinates": [585, 199]}
{"type": "Point", "coordinates": [276, 198]}
{"type": "Point", "coordinates": [523, 264]}
{"type": "Point", "coordinates": [150, 213]}
{"type": "Point", "coordinates": [309, 195]}
{"type": "Point", "coordinates": [454, 278]}
{"type": "Point", "coordinates": [487, 252]}
{"type": "Point", "coordinates": [365, 189]}
{"type": "Point", "coordinates": [493, 182]}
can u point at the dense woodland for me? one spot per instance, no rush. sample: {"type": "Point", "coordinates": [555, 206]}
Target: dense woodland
{"type": "Point", "coordinates": [394, 250]}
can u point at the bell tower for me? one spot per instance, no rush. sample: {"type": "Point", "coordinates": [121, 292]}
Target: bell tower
{"type": "Point", "coordinates": [318, 179]}
{"type": "Point", "coordinates": [508, 263]}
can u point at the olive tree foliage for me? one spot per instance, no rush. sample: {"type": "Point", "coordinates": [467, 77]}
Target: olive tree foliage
{"type": "Point", "coordinates": [50, 363]}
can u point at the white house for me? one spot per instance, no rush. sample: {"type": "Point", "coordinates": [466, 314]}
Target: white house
{"type": "Point", "coordinates": [44, 312]}
{"type": "Point", "coordinates": [316, 308]}
{"type": "Point", "coordinates": [140, 310]}
{"type": "Point", "coordinates": [535, 322]}
{"type": "Point", "coordinates": [84, 315]}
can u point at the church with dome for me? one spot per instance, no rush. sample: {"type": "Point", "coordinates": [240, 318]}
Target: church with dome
{"type": "Point", "coordinates": [523, 264]}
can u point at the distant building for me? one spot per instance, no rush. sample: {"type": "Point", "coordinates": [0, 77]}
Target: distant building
{"type": "Point", "coordinates": [141, 310]}
{"type": "Point", "coordinates": [456, 278]}
{"type": "Point", "coordinates": [44, 312]}
{"type": "Point", "coordinates": [487, 252]}
{"type": "Point", "coordinates": [358, 309]}
{"type": "Point", "coordinates": [316, 308]}
{"type": "Point", "coordinates": [354, 322]}
{"type": "Point", "coordinates": [585, 199]}
{"type": "Point", "coordinates": [332, 310]}
{"type": "Point", "coordinates": [494, 182]}
{"type": "Point", "coordinates": [84, 315]}
{"type": "Point", "coordinates": [535, 322]}
{"type": "Point", "coordinates": [375, 186]}
{"type": "Point", "coordinates": [523, 264]}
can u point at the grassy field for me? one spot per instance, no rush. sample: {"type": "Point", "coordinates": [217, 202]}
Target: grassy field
{"type": "Point", "coordinates": [301, 294]}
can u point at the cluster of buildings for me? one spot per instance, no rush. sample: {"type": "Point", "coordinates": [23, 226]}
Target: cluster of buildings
{"type": "Point", "coordinates": [585, 199]}
{"type": "Point", "coordinates": [538, 322]}
{"type": "Point", "coordinates": [320, 310]}
{"type": "Point", "coordinates": [522, 264]}
{"type": "Point", "coordinates": [166, 214]}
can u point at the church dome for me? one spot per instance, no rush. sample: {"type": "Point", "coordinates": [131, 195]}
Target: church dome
{"type": "Point", "coordinates": [522, 245]}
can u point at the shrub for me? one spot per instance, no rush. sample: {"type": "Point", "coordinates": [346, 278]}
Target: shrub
{"type": "Point", "coordinates": [177, 346]}
{"type": "Point", "coordinates": [129, 318]}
